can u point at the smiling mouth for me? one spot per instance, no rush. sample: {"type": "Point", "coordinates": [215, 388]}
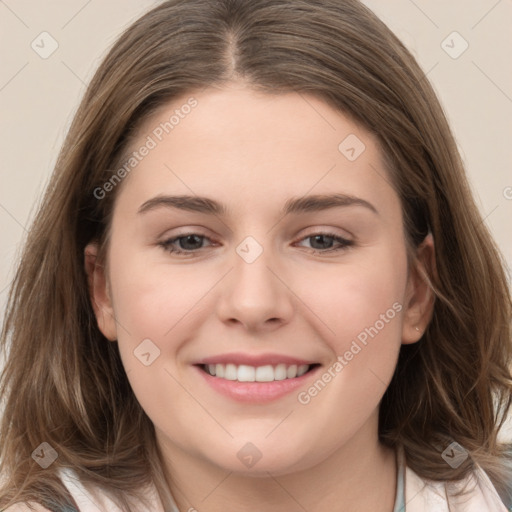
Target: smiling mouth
{"type": "Point", "coordinates": [266, 373]}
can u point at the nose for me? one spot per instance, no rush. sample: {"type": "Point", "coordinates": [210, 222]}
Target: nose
{"type": "Point", "coordinates": [255, 295]}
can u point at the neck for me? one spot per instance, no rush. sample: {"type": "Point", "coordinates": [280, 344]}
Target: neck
{"type": "Point", "coordinates": [358, 476]}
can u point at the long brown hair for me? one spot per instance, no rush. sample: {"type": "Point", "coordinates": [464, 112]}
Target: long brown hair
{"type": "Point", "coordinates": [64, 383]}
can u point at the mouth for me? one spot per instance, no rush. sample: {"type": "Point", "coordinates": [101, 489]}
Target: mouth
{"type": "Point", "coordinates": [262, 384]}
{"type": "Point", "coordinates": [266, 373]}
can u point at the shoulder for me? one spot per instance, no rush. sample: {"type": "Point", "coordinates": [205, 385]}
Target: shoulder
{"type": "Point", "coordinates": [84, 496]}
{"type": "Point", "coordinates": [26, 507]}
{"type": "Point", "coordinates": [481, 496]}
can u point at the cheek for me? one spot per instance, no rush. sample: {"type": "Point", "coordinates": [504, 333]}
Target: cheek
{"type": "Point", "coordinates": [349, 298]}
{"type": "Point", "coordinates": [151, 300]}
{"type": "Point", "coordinates": [161, 303]}
{"type": "Point", "coordinates": [155, 308]}
{"type": "Point", "coordinates": [360, 308]}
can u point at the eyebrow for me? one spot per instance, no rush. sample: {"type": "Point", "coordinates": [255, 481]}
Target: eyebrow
{"type": "Point", "coordinates": [295, 205]}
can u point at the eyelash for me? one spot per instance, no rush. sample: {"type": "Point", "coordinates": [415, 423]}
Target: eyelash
{"type": "Point", "coordinates": [167, 244]}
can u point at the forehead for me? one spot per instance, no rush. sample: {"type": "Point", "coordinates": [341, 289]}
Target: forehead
{"type": "Point", "coordinates": [247, 148]}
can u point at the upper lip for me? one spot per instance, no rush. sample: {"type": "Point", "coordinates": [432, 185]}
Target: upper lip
{"type": "Point", "coordinates": [254, 359]}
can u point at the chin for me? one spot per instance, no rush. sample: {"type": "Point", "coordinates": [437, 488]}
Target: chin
{"type": "Point", "coordinates": [258, 459]}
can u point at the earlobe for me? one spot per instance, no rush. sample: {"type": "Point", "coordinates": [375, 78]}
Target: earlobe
{"type": "Point", "coordinates": [419, 298]}
{"type": "Point", "coordinates": [99, 292]}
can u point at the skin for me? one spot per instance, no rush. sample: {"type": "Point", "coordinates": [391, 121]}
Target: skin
{"type": "Point", "coordinates": [253, 152]}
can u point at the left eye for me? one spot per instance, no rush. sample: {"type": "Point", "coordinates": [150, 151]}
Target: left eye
{"type": "Point", "coordinates": [320, 238]}
{"type": "Point", "coordinates": [190, 243]}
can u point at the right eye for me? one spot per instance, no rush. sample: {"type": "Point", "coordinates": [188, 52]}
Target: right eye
{"type": "Point", "coordinates": [183, 244]}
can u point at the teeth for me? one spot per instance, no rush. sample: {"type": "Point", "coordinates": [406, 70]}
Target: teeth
{"type": "Point", "coordinates": [280, 372]}
{"type": "Point", "coordinates": [230, 373]}
{"type": "Point", "coordinates": [245, 373]}
{"type": "Point", "coordinates": [301, 370]}
{"type": "Point", "coordinates": [291, 372]}
{"type": "Point", "coordinates": [264, 374]}
{"type": "Point", "coordinates": [219, 370]}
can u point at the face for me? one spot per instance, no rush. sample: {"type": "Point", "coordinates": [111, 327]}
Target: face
{"type": "Point", "coordinates": [289, 281]}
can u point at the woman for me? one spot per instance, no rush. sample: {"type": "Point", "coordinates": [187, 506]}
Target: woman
{"type": "Point", "coordinates": [342, 337]}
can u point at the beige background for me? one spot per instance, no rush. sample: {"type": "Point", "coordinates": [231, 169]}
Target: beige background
{"type": "Point", "coordinates": [39, 96]}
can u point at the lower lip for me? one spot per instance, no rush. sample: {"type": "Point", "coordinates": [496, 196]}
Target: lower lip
{"type": "Point", "coordinates": [255, 392]}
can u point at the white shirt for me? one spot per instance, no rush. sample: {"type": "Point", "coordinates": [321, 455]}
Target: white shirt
{"type": "Point", "coordinates": [418, 495]}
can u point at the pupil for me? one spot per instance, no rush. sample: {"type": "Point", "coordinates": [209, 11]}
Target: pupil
{"type": "Point", "coordinates": [321, 237]}
{"type": "Point", "coordinates": [185, 240]}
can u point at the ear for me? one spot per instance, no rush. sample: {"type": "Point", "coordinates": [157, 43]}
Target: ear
{"type": "Point", "coordinates": [419, 297]}
{"type": "Point", "coordinates": [99, 292]}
